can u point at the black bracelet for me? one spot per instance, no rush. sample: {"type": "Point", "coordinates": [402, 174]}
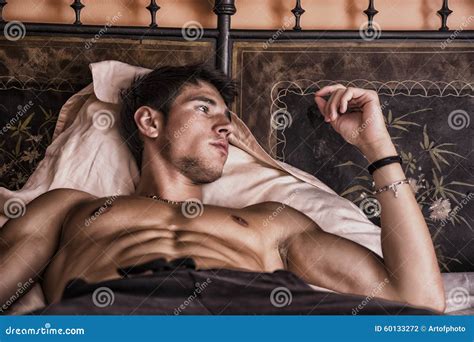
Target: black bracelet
{"type": "Point", "coordinates": [382, 162]}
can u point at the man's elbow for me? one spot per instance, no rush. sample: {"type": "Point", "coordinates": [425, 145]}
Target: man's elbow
{"type": "Point", "coordinates": [435, 300]}
{"type": "Point", "coordinates": [441, 307]}
{"type": "Point", "coordinates": [437, 303]}
{"type": "Point", "coordinates": [429, 297]}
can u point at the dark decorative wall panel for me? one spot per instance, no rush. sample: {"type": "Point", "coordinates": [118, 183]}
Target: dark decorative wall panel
{"type": "Point", "coordinates": [427, 94]}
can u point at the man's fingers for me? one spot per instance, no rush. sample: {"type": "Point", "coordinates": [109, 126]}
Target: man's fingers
{"type": "Point", "coordinates": [334, 104]}
{"type": "Point", "coordinates": [327, 107]}
{"type": "Point", "coordinates": [345, 98]}
{"type": "Point", "coordinates": [357, 92]}
{"type": "Point", "coordinates": [341, 99]}
{"type": "Point", "coordinates": [329, 89]}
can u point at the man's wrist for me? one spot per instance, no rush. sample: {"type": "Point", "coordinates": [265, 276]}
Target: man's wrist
{"type": "Point", "coordinates": [378, 150]}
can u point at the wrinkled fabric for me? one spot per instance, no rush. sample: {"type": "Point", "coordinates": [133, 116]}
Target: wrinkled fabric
{"type": "Point", "coordinates": [186, 291]}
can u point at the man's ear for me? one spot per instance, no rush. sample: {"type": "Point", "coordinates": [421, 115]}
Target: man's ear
{"type": "Point", "coordinates": [149, 121]}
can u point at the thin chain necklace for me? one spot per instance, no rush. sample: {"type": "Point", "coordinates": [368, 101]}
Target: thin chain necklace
{"type": "Point", "coordinates": [158, 198]}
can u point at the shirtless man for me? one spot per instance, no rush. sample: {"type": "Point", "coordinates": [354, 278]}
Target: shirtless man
{"type": "Point", "coordinates": [177, 123]}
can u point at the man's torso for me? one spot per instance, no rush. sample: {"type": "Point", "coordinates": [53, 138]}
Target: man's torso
{"type": "Point", "coordinates": [101, 235]}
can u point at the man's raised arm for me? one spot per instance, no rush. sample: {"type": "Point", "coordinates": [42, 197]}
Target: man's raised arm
{"type": "Point", "coordinates": [409, 257]}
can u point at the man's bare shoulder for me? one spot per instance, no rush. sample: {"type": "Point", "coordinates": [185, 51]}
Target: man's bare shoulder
{"type": "Point", "coordinates": [68, 192]}
{"type": "Point", "coordinates": [42, 217]}
{"type": "Point", "coordinates": [64, 195]}
{"type": "Point", "coordinates": [57, 201]}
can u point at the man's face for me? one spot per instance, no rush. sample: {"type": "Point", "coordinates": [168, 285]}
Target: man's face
{"type": "Point", "coordinates": [195, 138]}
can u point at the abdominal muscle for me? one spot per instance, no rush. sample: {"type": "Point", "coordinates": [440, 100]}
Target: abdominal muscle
{"type": "Point", "coordinates": [214, 239]}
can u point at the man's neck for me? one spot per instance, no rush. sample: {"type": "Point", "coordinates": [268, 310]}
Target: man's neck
{"type": "Point", "coordinates": [164, 181]}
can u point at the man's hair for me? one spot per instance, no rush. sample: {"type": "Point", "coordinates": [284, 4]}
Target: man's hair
{"type": "Point", "coordinates": [158, 90]}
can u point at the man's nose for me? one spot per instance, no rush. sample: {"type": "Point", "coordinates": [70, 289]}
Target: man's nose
{"type": "Point", "coordinates": [224, 127]}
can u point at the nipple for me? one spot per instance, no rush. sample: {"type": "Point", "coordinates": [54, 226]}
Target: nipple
{"type": "Point", "coordinates": [240, 220]}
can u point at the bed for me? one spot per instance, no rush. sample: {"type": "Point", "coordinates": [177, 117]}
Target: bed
{"type": "Point", "coordinates": [424, 80]}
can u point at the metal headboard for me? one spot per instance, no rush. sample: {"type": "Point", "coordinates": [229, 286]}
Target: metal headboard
{"type": "Point", "coordinates": [224, 36]}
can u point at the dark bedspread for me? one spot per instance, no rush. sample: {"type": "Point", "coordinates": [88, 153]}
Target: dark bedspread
{"type": "Point", "coordinates": [187, 291]}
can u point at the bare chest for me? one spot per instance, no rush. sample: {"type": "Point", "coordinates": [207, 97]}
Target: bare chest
{"type": "Point", "coordinates": [102, 235]}
{"type": "Point", "coordinates": [107, 218]}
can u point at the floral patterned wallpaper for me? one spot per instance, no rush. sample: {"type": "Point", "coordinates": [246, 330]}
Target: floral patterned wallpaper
{"type": "Point", "coordinates": [432, 134]}
{"type": "Point", "coordinates": [27, 121]}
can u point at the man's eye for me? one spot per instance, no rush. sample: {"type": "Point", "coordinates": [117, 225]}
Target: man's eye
{"type": "Point", "coordinates": [204, 108]}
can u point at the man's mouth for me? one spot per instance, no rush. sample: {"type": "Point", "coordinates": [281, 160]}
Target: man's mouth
{"type": "Point", "coordinates": [222, 146]}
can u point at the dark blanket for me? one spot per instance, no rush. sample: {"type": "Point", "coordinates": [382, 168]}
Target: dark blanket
{"type": "Point", "coordinates": [186, 291]}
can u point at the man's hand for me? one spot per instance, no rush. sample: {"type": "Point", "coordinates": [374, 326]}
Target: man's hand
{"type": "Point", "coordinates": [356, 115]}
